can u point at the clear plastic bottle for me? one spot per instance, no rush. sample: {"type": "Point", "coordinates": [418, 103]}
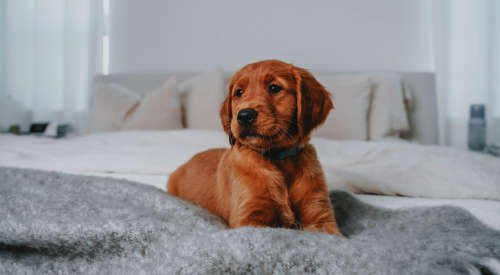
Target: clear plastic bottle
{"type": "Point", "coordinates": [477, 128]}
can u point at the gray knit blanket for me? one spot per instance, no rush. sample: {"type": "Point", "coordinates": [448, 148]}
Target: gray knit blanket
{"type": "Point", "coordinates": [66, 224]}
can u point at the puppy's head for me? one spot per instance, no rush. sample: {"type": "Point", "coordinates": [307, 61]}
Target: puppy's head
{"type": "Point", "coordinates": [272, 104]}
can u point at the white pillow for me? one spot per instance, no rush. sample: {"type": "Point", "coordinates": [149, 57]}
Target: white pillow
{"type": "Point", "coordinates": [388, 115]}
{"type": "Point", "coordinates": [351, 97]}
{"type": "Point", "coordinates": [158, 110]}
{"type": "Point", "coordinates": [116, 107]}
{"type": "Point", "coordinates": [110, 105]}
{"type": "Point", "coordinates": [203, 100]}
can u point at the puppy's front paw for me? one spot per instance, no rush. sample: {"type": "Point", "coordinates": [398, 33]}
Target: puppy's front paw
{"type": "Point", "coordinates": [327, 227]}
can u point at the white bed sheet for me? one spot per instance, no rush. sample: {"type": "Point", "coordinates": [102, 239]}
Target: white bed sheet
{"type": "Point", "coordinates": [150, 156]}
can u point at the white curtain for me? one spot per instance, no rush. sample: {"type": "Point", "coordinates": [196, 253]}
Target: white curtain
{"type": "Point", "coordinates": [467, 43]}
{"type": "Point", "coordinates": [50, 51]}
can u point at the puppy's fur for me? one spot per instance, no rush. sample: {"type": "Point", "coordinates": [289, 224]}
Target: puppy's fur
{"type": "Point", "coordinates": [248, 185]}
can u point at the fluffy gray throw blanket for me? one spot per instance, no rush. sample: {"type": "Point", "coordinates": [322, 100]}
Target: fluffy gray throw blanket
{"type": "Point", "coordinates": [56, 223]}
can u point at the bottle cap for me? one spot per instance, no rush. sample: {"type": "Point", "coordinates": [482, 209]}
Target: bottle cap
{"type": "Point", "coordinates": [477, 111]}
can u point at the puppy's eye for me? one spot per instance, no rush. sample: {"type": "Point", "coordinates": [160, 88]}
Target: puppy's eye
{"type": "Point", "coordinates": [273, 88]}
{"type": "Point", "coordinates": [238, 92]}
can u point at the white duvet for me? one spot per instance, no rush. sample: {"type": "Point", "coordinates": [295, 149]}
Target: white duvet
{"type": "Point", "coordinates": [371, 167]}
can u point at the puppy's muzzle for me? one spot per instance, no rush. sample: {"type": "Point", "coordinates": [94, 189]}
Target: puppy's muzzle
{"type": "Point", "coordinates": [246, 117]}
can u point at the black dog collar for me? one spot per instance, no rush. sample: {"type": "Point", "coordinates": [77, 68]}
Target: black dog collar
{"type": "Point", "coordinates": [281, 154]}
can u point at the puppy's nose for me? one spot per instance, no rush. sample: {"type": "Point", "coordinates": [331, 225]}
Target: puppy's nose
{"type": "Point", "coordinates": [247, 116]}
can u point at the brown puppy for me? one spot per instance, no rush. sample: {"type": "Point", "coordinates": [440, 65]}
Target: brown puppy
{"type": "Point", "coordinates": [271, 175]}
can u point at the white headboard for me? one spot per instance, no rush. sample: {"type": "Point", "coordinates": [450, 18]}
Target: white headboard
{"type": "Point", "coordinates": [419, 85]}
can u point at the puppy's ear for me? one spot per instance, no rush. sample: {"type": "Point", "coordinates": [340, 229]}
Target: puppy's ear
{"type": "Point", "coordinates": [226, 116]}
{"type": "Point", "coordinates": [313, 101]}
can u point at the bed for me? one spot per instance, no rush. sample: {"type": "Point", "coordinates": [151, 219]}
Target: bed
{"type": "Point", "coordinates": [392, 197]}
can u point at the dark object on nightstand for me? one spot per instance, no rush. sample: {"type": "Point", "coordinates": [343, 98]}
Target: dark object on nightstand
{"type": "Point", "coordinates": [55, 130]}
{"type": "Point", "coordinates": [477, 128]}
{"type": "Point", "coordinates": [15, 129]}
{"type": "Point", "coordinates": [38, 128]}
{"type": "Point", "coordinates": [63, 130]}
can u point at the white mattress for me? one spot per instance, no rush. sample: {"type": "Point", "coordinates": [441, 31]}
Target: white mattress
{"type": "Point", "coordinates": [150, 156]}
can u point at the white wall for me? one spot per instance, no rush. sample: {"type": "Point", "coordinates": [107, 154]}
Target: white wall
{"type": "Point", "coordinates": [157, 35]}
